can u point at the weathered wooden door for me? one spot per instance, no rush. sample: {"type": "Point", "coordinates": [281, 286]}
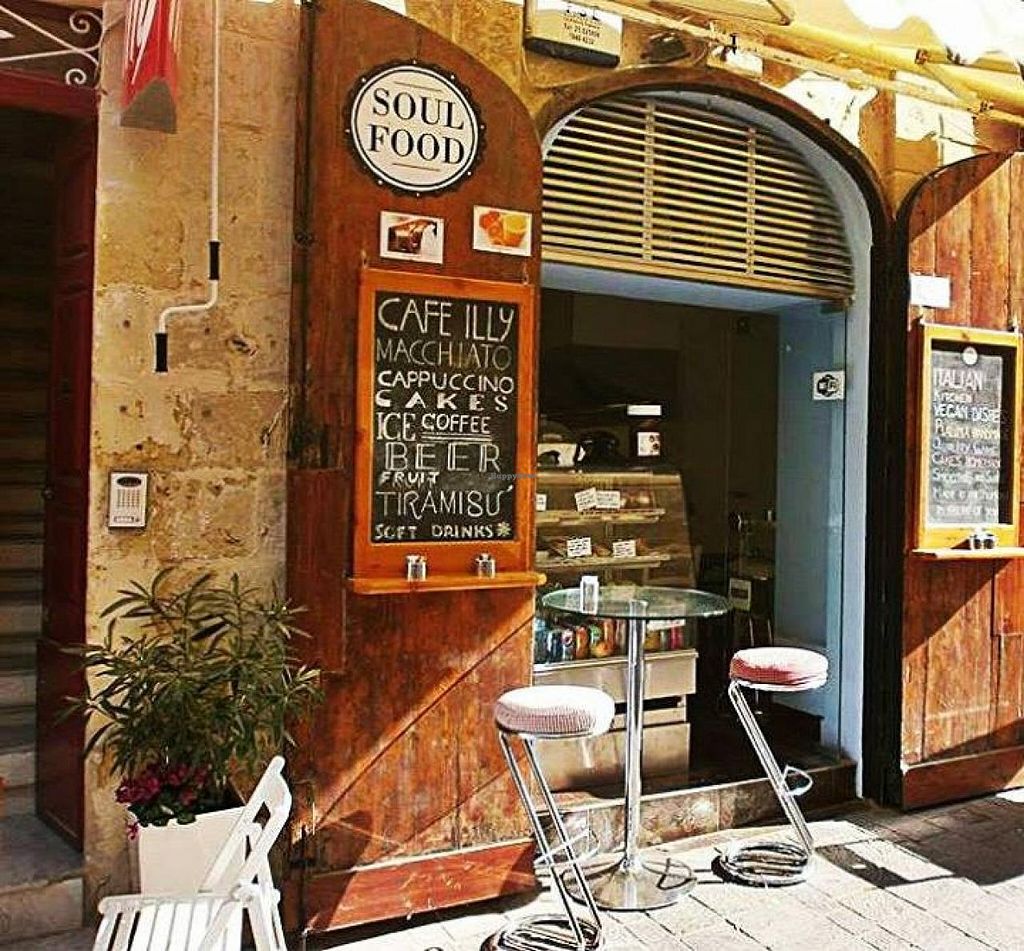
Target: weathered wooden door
{"type": "Point", "coordinates": [963, 621]}
{"type": "Point", "coordinates": [60, 779]}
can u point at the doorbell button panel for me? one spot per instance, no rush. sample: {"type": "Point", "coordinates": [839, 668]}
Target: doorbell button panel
{"type": "Point", "coordinates": [128, 493]}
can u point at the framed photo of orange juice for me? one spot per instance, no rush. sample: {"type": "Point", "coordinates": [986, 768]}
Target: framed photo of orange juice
{"type": "Point", "coordinates": [502, 230]}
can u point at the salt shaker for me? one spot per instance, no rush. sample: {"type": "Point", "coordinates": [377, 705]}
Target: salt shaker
{"type": "Point", "coordinates": [485, 565]}
{"type": "Point", "coordinates": [415, 568]}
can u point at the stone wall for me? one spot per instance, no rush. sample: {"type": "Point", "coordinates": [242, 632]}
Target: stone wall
{"type": "Point", "coordinates": [211, 432]}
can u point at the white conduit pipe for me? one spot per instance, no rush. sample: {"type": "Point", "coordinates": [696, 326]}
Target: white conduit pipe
{"type": "Point", "coordinates": [214, 278]}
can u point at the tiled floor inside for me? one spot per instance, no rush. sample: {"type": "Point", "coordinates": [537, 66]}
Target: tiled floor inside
{"type": "Point", "coordinates": [947, 879]}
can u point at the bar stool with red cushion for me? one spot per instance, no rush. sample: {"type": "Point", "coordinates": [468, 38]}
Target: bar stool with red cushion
{"type": "Point", "coordinates": [551, 712]}
{"type": "Point", "coordinates": [773, 670]}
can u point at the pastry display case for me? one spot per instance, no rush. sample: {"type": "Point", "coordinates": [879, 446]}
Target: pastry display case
{"type": "Point", "coordinates": [624, 525]}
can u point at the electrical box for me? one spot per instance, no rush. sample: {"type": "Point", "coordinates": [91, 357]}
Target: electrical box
{"type": "Point", "coordinates": [127, 504]}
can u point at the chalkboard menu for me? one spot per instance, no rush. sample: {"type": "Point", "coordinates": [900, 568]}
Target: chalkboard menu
{"type": "Point", "coordinates": [969, 415]}
{"type": "Point", "coordinates": [446, 406]}
{"type": "Point", "coordinates": [445, 396]}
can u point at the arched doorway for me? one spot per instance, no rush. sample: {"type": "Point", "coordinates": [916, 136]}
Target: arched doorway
{"type": "Point", "coordinates": [815, 295]}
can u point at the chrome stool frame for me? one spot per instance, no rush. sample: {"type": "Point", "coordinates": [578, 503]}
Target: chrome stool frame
{"type": "Point", "coordinates": [571, 931]}
{"type": "Point", "coordinates": [771, 863]}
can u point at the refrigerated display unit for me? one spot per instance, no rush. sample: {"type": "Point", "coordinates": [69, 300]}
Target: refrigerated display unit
{"type": "Point", "coordinates": [626, 525]}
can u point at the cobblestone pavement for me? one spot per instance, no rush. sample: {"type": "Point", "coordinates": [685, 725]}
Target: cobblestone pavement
{"type": "Point", "coordinates": [948, 879]}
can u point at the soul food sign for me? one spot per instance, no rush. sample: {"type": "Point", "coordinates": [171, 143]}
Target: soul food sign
{"type": "Point", "coordinates": [414, 128]}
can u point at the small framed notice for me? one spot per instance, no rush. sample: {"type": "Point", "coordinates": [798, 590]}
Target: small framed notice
{"type": "Point", "coordinates": [969, 437]}
{"type": "Point", "coordinates": [624, 548]}
{"type": "Point", "coordinates": [580, 547]}
{"type": "Point", "coordinates": [609, 499]}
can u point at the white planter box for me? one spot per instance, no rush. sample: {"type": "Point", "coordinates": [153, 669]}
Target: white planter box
{"type": "Point", "coordinates": [174, 859]}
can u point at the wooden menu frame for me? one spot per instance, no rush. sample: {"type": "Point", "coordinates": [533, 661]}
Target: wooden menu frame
{"type": "Point", "coordinates": [380, 568]}
{"type": "Point", "coordinates": [945, 538]}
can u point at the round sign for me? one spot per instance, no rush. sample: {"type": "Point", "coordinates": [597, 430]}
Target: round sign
{"type": "Point", "coordinates": [414, 128]}
{"type": "Point", "coordinates": [969, 356]}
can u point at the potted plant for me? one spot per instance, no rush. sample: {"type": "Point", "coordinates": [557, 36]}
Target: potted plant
{"type": "Point", "coordinates": [191, 686]}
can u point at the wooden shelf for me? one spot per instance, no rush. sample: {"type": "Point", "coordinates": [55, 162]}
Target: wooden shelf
{"type": "Point", "coordinates": [575, 564]}
{"type": "Point", "coordinates": [616, 516]}
{"type": "Point", "coordinates": [968, 554]}
{"type": "Point", "coordinates": [504, 579]}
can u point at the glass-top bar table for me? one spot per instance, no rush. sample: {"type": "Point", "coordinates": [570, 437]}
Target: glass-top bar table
{"type": "Point", "coordinates": [636, 883]}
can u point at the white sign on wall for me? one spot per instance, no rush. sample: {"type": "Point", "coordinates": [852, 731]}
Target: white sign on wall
{"type": "Point", "coordinates": [573, 31]}
{"type": "Point", "coordinates": [414, 128]}
{"type": "Point", "coordinates": [930, 290]}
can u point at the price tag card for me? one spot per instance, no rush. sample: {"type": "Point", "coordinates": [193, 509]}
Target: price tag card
{"type": "Point", "coordinates": [578, 547]}
{"type": "Point", "coordinates": [609, 499]}
{"type": "Point", "coordinates": [542, 501]}
{"type": "Point", "coordinates": [626, 548]}
{"type": "Point", "coordinates": [586, 500]}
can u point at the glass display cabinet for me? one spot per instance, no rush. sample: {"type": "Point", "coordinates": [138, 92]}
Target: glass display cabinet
{"type": "Point", "coordinates": [625, 525]}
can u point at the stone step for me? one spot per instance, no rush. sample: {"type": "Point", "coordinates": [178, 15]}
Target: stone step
{"type": "Point", "coordinates": [23, 554]}
{"type": "Point", "coordinates": [40, 909]}
{"type": "Point", "coordinates": [40, 882]}
{"type": "Point", "coordinates": [18, 768]}
{"type": "Point", "coordinates": [81, 940]}
{"type": "Point", "coordinates": [17, 801]}
{"type": "Point", "coordinates": [24, 584]}
{"type": "Point", "coordinates": [22, 500]}
{"type": "Point", "coordinates": [21, 424]}
{"type": "Point", "coordinates": [18, 715]}
{"type": "Point", "coordinates": [21, 526]}
{"type": "Point", "coordinates": [21, 473]}
{"type": "Point", "coordinates": [16, 665]}
{"type": "Point", "coordinates": [30, 447]}
{"type": "Point", "coordinates": [18, 645]}
{"type": "Point", "coordinates": [17, 686]}
{"type": "Point", "coordinates": [16, 737]}
{"type": "Point", "coordinates": [19, 613]}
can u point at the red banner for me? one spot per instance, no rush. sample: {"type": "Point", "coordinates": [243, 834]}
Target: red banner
{"type": "Point", "coordinates": [152, 32]}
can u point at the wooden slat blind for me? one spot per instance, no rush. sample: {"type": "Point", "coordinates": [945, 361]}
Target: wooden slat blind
{"type": "Point", "coordinates": [648, 184]}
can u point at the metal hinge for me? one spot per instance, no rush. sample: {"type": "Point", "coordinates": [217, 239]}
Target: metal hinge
{"type": "Point", "coordinates": [304, 239]}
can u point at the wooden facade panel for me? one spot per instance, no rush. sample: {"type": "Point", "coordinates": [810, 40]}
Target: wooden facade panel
{"type": "Point", "coordinates": [959, 678]}
{"type": "Point", "coordinates": [402, 762]}
{"type": "Point", "coordinates": [990, 271]}
{"type": "Point", "coordinates": [400, 889]}
{"type": "Point", "coordinates": [953, 234]}
{"type": "Point", "coordinates": [963, 649]}
{"type": "Point", "coordinates": [413, 705]}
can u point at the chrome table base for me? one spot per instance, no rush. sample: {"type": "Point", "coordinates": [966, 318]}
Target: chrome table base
{"type": "Point", "coordinates": [651, 881]}
{"type": "Point", "coordinates": [543, 933]}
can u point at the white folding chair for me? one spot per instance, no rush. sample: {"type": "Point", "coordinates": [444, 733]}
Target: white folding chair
{"type": "Point", "coordinates": [203, 921]}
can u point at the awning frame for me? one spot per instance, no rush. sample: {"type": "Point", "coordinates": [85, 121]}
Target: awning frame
{"type": "Point", "coordinates": [843, 57]}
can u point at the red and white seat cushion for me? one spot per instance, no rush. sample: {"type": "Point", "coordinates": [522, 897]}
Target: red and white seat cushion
{"type": "Point", "coordinates": [555, 710]}
{"type": "Point", "coordinates": [792, 667]}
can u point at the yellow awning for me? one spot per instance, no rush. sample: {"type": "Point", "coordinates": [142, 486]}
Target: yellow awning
{"type": "Point", "coordinates": [823, 35]}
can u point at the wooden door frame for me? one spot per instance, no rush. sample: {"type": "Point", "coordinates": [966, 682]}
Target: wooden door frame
{"type": "Point", "coordinates": [80, 107]}
{"type": "Point", "coordinates": [883, 567]}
